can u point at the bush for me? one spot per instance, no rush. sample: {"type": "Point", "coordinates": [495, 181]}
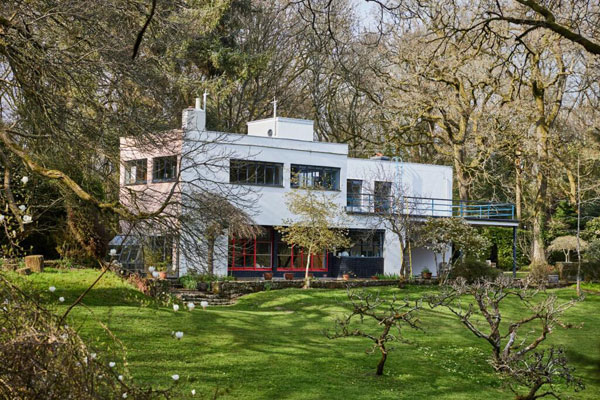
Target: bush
{"type": "Point", "coordinates": [43, 358]}
{"type": "Point", "coordinates": [590, 271]}
{"type": "Point", "coordinates": [393, 277]}
{"type": "Point", "coordinates": [188, 281]}
{"type": "Point", "coordinates": [472, 270]}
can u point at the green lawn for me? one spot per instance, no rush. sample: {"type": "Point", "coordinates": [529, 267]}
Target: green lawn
{"type": "Point", "coordinates": [270, 345]}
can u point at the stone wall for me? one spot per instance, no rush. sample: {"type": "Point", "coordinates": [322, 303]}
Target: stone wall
{"type": "Point", "coordinates": [238, 288]}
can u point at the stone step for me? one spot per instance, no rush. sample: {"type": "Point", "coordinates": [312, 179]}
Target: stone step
{"type": "Point", "coordinates": [196, 297]}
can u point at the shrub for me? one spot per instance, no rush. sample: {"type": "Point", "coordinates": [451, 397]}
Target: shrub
{"type": "Point", "coordinates": [189, 281]}
{"type": "Point", "coordinates": [590, 271]}
{"type": "Point", "coordinates": [593, 251]}
{"type": "Point", "coordinates": [394, 277]}
{"type": "Point", "coordinates": [472, 269]}
{"type": "Point", "coordinates": [43, 358]}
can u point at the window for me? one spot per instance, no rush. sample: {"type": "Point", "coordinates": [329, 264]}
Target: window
{"type": "Point", "coordinates": [136, 171]}
{"type": "Point", "coordinates": [164, 169]}
{"type": "Point", "coordinates": [354, 193]}
{"type": "Point", "coordinates": [293, 258]}
{"type": "Point", "coordinates": [158, 250]}
{"type": "Point", "coordinates": [251, 254]}
{"type": "Point", "coordinates": [255, 173]}
{"type": "Point", "coordinates": [383, 196]}
{"type": "Point", "coordinates": [366, 243]}
{"type": "Point", "coordinates": [326, 178]}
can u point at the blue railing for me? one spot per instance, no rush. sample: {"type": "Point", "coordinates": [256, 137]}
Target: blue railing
{"type": "Point", "coordinates": [429, 207]}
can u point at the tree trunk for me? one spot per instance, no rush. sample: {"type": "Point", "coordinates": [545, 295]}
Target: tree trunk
{"type": "Point", "coordinates": [402, 263]}
{"type": "Point", "coordinates": [210, 255]}
{"type": "Point", "coordinates": [410, 266]}
{"type": "Point", "coordinates": [381, 363]}
{"type": "Point", "coordinates": [461, 176]}
{"type": "Point", "coordinates": [541, 177]}
{"type": "Point", "coordinates": [306, 280]}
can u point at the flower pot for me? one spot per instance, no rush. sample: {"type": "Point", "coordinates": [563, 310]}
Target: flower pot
{"type": "Point", "coordinates": [374, 277]}
{"type": "Point", "coordinates": [268, 276]}
{"type": "Point", "coordinates": [288, 276]}
{"type": "Point", "coordinates": [346, 277]}
{"type": "Point", "coordinates": [426, 275]}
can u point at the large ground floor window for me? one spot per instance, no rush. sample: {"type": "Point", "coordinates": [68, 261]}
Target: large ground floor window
{"type": "Point", "coordinates": [269, 252]}
{"type": "Point", "coordinates": [251, 254]}
{"type": "Point", "coordinates": [294, 258]}
{"type": "Point", "coordinates": [365, 243]}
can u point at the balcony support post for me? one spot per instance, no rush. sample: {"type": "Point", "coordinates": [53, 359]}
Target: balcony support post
{"type": "Point", "coordinates": [514, 252]}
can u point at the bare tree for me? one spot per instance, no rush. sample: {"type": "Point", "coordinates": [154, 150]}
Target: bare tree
{"type": "Point", "coordinates": [485, 300]}
{"type": "Point", "coordinates": [542, 370]}
{"type": "Point", "coordinates": [390, 315]}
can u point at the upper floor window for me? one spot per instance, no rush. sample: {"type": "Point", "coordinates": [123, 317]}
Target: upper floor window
{"type": "Point", "coordinates": [383, 196]}
{"type": "Point", "coordinates": [326, 178]}
{"type": "Point", "coordinates": [164, 169]}
{"type": "Point", "coordinates": [136, 171]}
{"type": "Point", "coordinates": [354, 193]}
{"type": "Point", "coordinates": [255, 173]}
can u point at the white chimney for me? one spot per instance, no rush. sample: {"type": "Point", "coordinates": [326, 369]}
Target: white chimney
{"type": "Point", "coordinates": [194, 119]}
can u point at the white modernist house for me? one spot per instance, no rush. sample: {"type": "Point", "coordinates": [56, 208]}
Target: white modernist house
{"type": "Point", "coordinates": [275, 150]}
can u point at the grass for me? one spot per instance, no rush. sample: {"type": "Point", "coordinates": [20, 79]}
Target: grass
{"type": "Point", "coordinates": [271, 345]}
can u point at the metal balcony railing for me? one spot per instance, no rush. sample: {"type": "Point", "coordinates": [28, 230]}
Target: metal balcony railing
{"type": "Point", "coordinates": [429, 207]}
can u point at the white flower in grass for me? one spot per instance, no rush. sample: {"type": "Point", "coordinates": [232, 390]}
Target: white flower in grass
{"type": "Point", "coordinates": [151, 269]}
{"type": "Point", "coordinates": [121, 378]}
{"type": "Point", "coordinates": [1, 217]}
{"type": "Point", "coordinates": [112, 364]}
{"type": "Point", "coordinates": [113, 252]}
{"type": "Point", "coordinates": [175, 307]}
{"type": "Point", "coordinates": [61, 299]}
{"type": "Point", "coordinates": [204, 304]}
{"type": "Point", "coordinates": [124, 395]}
{"type": "Point", "coordinates": [52, 289]}
{"type": "Point", "coordinates": [191, 306]}
{"type": "Point", "coordinates": [155, 274]}
{"type": "Point", "coordinates": [27, 219]}
{"type": "Point", "coordinates": [93, 355]}
{"type": "Point", "coordinates": [25, 179]}
{"type": "Point", "coordinates": [193, 392]}
{"type": "Point", "coordinates": [178, 335]}
{"type": "Point", "coordinates": [175, 377]}
{"type": "Point", "coordinates": [22, 207]}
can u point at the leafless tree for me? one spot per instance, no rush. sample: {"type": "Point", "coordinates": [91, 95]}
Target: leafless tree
{"type": "Point", "coordinates": [542, 371]}
{"type": "Point", "coordinates": [389, 315]}
{"type": "Point", "coordinates": [484, 299]}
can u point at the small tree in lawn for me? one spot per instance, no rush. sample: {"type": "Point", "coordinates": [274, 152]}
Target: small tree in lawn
{"type": "Point", "coordinates": [441, 235]}
{"type": "Point", "coordinates": [514, 342]}
{"type": "Point", "coordinates": [389, 316]}
{"type": "Point", "coordinates": [314, 228]}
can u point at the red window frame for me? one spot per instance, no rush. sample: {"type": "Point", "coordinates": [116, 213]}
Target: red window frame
{"type": "Point", "coordinates": [244, 245]}
{"type": "Point", "coordinates": [293, 254]}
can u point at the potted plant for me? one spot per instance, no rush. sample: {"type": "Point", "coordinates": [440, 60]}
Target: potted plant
{"type": "Point", "coordinates": [288, 276]}
{"type": "Point", "coordinates": [426, 273]}
{"type": "Point", "coordinates": [268, 276]}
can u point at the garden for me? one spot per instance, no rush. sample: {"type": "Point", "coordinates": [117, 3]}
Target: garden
{"type": "Point", "coordinates": [273, 344]}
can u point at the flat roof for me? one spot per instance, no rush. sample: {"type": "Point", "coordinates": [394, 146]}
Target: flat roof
{"type": "Point", "coordinates": [401, 162]}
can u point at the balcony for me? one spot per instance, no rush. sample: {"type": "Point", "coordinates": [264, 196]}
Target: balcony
{"type": "Point", "coordinates": [430, 207]}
